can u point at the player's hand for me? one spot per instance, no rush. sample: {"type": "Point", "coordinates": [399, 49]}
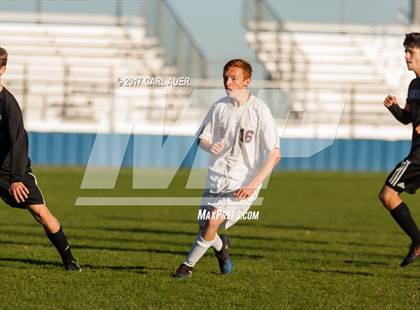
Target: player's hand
{"type": "Point", "coordinates": [19, 191]}
{"type": "Point", "coordinates": [217, 148]}
{"type": "Point", "coordinates": [390, 100]}
{"type": "Point", "coordinates": [418, 129]}
{"type": "Point", "coordinates": [244, 192]}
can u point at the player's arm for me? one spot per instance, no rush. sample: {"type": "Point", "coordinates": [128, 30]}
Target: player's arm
{"type": "Point", "coordinates": [402, 115]}
{"type": "Point", "coordinates": [208, 146]}
{"type": "Point", "coordinates": [268, 166]}
{"type": "Point", "coordinates": [205, 133]}
{"type": "Point", "coordinates": [18, 152]}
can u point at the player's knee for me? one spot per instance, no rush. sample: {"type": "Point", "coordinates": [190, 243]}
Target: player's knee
{"type": "Point", "coordinates": [381, 196]}
{"type": "Point", "coordinates": [211, 225]}
{"type": "Point", "coordinates": [386, 196]}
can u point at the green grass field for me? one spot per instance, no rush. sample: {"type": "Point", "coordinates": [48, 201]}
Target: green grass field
{"type": "Point", "coordinates": [322, 241]}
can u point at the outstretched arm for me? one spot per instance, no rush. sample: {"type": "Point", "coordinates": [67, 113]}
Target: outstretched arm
{"type": "Point", "coordinates": [268, 166]}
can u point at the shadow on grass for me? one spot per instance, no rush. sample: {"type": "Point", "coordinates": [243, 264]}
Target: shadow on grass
{"type": "Point", "coordinates": [177, 243]}
{"type": "Point", "coordinates": [31, 261]}
{"type": "Point", "coordinates": [160, 232]}
{"type": "Point", "coordinates": [136, 269]}
{"type": "Point", "coordinates": [123, 249]}
{"type": "Point", "coordinates": [240, 224]}
{"type": "Point", "coordinates": [313, 229]}
{"type": "Point", "coordinates": [408, 277]}
{"type": "Point", "coordinates": [140, 219]}
{"type": "Point", "coordinates": [346, 262]}
{"type": "Point", "coordinates": [194, 232]}
{"type": "Point", "coordinates": [247, 224]}
{"type": "Point", "coordinates": [324, 271]}
{"type": "Point", "coordinates": [360, 263]}
{"type": "Point", "coordinates": [99, 248]}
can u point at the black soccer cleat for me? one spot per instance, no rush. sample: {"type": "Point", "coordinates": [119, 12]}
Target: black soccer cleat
{"type": "Point", "coordinates": [225, 263]}
{"type": "Point", "coordinates": [183, 272]}
{"type": "Point", "coordinates": [413, 253]}
{"type": "Point", "coordinates": [71, 265]}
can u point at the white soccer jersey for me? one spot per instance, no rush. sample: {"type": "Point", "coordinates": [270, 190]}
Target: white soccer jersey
{"type": "Point", "coordinates": [248, 133]}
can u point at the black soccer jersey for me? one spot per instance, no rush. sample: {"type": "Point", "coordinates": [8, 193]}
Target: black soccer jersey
{"type": "Point", "coordinates": [14, 160]}
{"type": "Point", "coordinates": [413, 98]}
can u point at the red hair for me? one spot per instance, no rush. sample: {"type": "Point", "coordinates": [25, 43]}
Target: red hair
{"type": "Point", "coordinates": [239, 63]}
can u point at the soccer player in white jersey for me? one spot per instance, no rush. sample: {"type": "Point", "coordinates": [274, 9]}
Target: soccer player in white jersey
{"type": "Point", "coordinates": [240, 134]}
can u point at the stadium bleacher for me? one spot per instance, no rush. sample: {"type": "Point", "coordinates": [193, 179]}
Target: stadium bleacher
{"type": "Point", "coordinates": [63, 71]}
{"type": "Point", "coordinates": [361, 63]}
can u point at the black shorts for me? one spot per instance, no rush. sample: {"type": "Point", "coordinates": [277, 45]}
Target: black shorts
{"type": "Point", "coordinates": [405, 177]}
{"type": "Point", "coordinates": [35, 196]}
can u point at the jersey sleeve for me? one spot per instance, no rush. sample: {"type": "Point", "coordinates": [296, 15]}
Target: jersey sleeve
{"type": "Point", "coordinates": [207, 127]}
{"type": "Point", "coordinates": [18, 141]}
{"type": "Point", "coordinates": [268, 133]}
{"type": "Point", "coordinates": [410, 87]}
{"type": "Point", "coordinates": [412, 102]}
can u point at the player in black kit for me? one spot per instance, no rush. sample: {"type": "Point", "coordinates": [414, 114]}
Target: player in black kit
{"type": "Point", "coordinates": [406, 175]}
{"type": "Point", "coordinates": [18, 185]}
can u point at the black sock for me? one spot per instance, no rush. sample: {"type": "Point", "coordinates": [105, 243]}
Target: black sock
{"type": "Point", "coordinates": [60, 242]}
{"type": "Point", "coordinates": [402, 216]}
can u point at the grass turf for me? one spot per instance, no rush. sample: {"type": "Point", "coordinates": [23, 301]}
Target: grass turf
{"type": "Point", "coordinates": [322, 241]}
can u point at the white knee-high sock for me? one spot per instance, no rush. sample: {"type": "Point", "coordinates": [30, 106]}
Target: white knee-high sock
{"type": "Point", "coordinates": [217, 243]}
{"type": "Point", "coordinates": [199, 248]}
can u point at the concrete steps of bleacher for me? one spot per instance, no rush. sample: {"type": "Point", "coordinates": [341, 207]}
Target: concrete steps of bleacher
{"type": "Point", "coordinates": [29, 40]}
{"type": "Point", "coordinates": [49, 61]}
{"type": "Point", "coordinates": [320, 48]}
{"type": "Point", "coordinates": [343, 77]}
{"type": "Point", "coordinates": [330, 68]}
{"type": "Point", "coordinates": [273, 55]}
{"type": "Point", "coordinates": [345, 88]}
{"type": "Point", "coordinates": [307, 38]}
{"type": "Point", "coordinates": [70, 19]}
{"type": "Point", "coordinates": [69, 51]}
{"type": "Point", "coordinates": [330, 77]}
{"type": "Point", "coordinates": [65, 30]}
{"type": "Point", "coordinates": [64, 74]}
{"type": "Point", "coordinates": [87, 42]}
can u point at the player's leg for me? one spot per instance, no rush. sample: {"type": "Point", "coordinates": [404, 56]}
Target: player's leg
{"type": "Point", "coordinates": [43, 216]}
{"type": "Point", "coordinates": [400, 212]}
{"type": "Point", "coordinates": [209, 231]}
{"type": "Point", "coordinates": [37, 207]}
{"type": "Point", "coordinates": [206, 238]}
{"type": "Point", "coordinates": [55, 234]}
{"type": "Point", "coordinates": [403, 178]}
{"type": "Point", "coordinates": [220, 244]}
{"type": "Point", "coordinates": [389, 197]}
{"type": "Point", "coordinates": [222, 255]}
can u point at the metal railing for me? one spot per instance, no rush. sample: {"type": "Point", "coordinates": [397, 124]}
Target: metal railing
{"type": "Point", "coordinates": [180, 48]}
{"type": "Point", "coordinates": [61, 103]}
{"type": "Point", "coordinates": [291, 63]}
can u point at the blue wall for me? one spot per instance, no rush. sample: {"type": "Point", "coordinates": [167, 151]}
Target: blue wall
{"type": "Point", "coordinates": [74, 149]}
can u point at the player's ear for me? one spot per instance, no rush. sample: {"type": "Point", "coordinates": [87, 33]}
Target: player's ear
{"type": "Point", "coordinates": [2, 69]}
{"type": "Point", "coordinates": [246, 82]}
